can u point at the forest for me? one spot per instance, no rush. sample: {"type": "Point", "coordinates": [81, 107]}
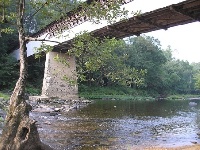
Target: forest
{"type": "Point", "coordinates": [146, 67]}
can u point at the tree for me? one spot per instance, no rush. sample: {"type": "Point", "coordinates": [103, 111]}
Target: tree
{"type": "Point", "coordinates": [102, 61]}
{"type": "Point", "coordinates": [144, 52]}
{"type": "Point", "coordinates": [20, 132]}
{"type": "Point", "coordinates": [197, 80]}
{"type": "Point", "coordinates": [178, 74]}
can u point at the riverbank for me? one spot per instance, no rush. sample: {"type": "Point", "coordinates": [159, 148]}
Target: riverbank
{"type": "Point", "coordinates": [127, 93]}
{"type": "Point", "coordinates": [190, 147]}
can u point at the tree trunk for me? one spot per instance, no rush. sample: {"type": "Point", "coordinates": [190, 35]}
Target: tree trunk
{"type": "Point", "coordinates": [20, 132]}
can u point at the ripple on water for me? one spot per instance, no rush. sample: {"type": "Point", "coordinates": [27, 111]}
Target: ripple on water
{"type": "Point", "coordinates": [120, 129]}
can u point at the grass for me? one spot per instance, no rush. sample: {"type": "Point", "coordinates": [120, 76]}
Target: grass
{"type": "Point", "coordinates": [182, 96]}
{"type": "Point", "coordinates": [4, 96]}
{"type": "Point", "coordinates": [33, 90]}
{"type": "Point", "coordinates": [125, 93]}
{"type": "Point", "coordinates": [115, 92]}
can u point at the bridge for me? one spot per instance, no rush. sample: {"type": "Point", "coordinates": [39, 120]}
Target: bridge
{"type": "Point", "coordinates": [53, 85]}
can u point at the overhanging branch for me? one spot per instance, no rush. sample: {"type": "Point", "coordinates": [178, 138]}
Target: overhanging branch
{"type": "Point", "coordinates": [38, 39]}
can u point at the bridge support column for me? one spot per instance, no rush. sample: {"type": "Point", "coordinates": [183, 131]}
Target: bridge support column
{"type": "Point", "coordinates": [60, 78]}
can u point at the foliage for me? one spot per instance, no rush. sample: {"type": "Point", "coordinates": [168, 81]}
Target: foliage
{"type": "Point", "coordinates": [179, 76]}
{"type": "Point", "coordinates": [197, 80]}
{"type": "Point", "coordinates": [7, 17]}
{"type": "Point", "coordinates": [196, 72]}
{"type": "Point", "coordinates": [8, 71]}
{"type": "Point", "coordinates": [43, 49]}
{"type": "Point", "coordinates": [32, 90]}
{"type": "Point", "coordinates": [98, 62]}
{"type": "Point", "coordinates": [8, 65]}
{"type": "Point", "coordinates": [105, 10]}
{"type": "Point", "coordinates": [41, 13]}
{"type": "Point", "coordinates": [35, 77]}
{"type": "Point", "coordinates": [8, 39]}
{"type": "Point", "coordinates": [145, 53]}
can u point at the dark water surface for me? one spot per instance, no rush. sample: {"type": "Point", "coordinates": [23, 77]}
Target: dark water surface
{"type": "Point", "coordinates": [108, 124]}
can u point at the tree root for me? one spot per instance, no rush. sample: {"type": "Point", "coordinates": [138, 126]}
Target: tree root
{"type": "Point", "coordinates": [20, 132]}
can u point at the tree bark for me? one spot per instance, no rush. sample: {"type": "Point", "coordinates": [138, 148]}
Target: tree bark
{"type": "Point", "coordinates": [20, 132]}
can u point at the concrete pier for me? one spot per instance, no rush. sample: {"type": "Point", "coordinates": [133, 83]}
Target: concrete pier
{"type": "Point", "coordinates": [60, 76]}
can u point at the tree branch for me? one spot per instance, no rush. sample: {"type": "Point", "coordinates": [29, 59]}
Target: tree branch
{"type": "Point", "coordinates": [32, 15]}
{"type": "Point", "coordinates": [37, 39]}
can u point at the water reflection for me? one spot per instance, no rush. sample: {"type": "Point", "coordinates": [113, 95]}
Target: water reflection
{"type": "Point", "coordinates": [122, 125]}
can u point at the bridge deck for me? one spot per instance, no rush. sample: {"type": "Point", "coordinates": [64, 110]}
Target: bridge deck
{"type": "Point", "coordinates": [163, 18]}
{"type": "Point", "coordinates": [72, 19]}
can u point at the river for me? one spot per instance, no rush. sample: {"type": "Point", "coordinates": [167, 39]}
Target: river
{"type": "Point", "coordinates": [114, 125]}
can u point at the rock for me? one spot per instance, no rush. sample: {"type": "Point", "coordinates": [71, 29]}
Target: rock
{"type": "Point", "coordinates": [57, 109]}
{"type": "Point", "coordinates": [61, 101]}
{"type": "Point", "coordinates": [74, 106]}
{"type": "Point", "coordinates": [43, 110]}
{"type": "Point", "coordinates": [38, 98]}
{"type": "Point", "coordinates": [2, 113]}
{"type": "Point", "coordinates": [193, 142]}
{"type": "Point", "coordinates": [86, 101]}
{"type": "Point", "coordinates": [76, 101]}
{"type": "Point", "coordinates": [66, 110]}
{"type": "Point", "coordinates": [49, 105]}
{"type": "Point", "coordinates": [47, 122]}
{"type": "Point", "coordinates": [64, 107]}
{"type": "Point", "coordinates": [53, 114]}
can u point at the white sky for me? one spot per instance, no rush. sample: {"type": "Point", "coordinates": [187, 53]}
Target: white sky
{"type": "Point", "coordinates": [183, 39]}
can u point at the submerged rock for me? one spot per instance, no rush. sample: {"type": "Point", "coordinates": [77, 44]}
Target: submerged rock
{"type": "Point", "coordinates": [192, 103]}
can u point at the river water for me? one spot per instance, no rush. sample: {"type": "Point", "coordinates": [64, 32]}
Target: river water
{"type": "Point", "coordinates": [114, 125]}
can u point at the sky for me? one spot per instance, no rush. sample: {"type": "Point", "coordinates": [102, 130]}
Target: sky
{"type": "Point", "coordinates": [184, 39]}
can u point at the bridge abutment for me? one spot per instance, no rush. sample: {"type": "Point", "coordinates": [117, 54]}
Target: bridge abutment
{"type": "Point", "coordinates": [60, 76]}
